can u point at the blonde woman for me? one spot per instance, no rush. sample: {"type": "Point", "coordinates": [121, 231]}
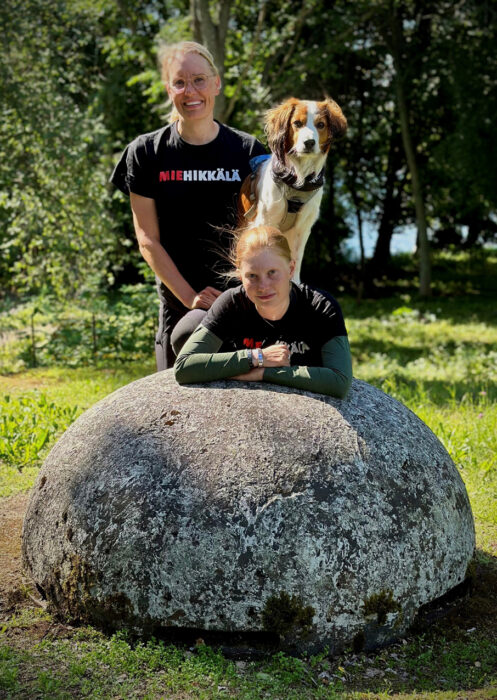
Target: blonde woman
{"type": "Point", "coordinates": [183, 181]}
{"type": "Point", "coordinates": [269, 329]}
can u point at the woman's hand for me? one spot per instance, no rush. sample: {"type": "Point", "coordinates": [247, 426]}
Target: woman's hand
{"type": "Point", "coordinates": [255, 375]}
{"type": "Point", "coordinates": [276, 355]}
{"type": "Point", "coordinates": [205, 298]}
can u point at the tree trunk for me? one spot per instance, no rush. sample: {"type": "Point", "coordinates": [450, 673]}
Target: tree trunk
{"type": "Point", "coordinates": [391, 208]}
{"type": "Point", "coordinates": [212, 34]}
{"type": "Point", "coordinates": [330, 216]}
{"type": "Point", "coordinates": [395, 45]}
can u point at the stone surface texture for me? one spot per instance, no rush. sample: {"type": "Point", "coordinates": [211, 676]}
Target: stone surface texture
{"type": "Point", "coordinates": [197, 506]}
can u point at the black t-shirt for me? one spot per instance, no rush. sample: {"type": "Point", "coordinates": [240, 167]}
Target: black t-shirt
{"type": "Point", "coordinates": [313, 318]}
{"type": "Point", "coordinates": [195, 189]}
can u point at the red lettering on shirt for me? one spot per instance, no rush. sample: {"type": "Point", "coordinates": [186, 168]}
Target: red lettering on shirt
{"type": "Point", "coordinates": [251, 343]}
{"type": "Point", "coordinates": [179, 174]}
{"type": "Point", "coordinates": [163, 176]}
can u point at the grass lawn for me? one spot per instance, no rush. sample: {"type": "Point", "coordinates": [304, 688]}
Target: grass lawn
{"type": "Point", "coordinates": [437, 357]}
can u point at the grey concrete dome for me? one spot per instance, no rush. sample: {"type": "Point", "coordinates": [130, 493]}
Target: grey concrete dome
{"type": "Point", "coordinates": [246, 508]}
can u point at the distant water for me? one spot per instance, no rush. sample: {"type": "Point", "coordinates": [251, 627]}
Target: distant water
{"type": "Point", "coordinates": [402, 242]}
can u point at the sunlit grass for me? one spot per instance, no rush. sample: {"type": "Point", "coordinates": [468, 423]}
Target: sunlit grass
{"type": "Point", "coordinates": [68, 390]}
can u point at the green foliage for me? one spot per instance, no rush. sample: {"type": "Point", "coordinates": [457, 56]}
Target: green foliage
{"type": "Point", "coordinates": [8, 670]}
{"type": "Point", "coordinates": [80, 80]}
{"type": "Point", "coordinates": [59, 387]}
{"type": "Point", "coordinates": [56, 229]}
{"type": "Point", "coordinates": [99, 329]}
{"type": "Point", "coordinates": [27, 425]}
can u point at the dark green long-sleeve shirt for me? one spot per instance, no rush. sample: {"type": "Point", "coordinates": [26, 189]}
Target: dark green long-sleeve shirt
{"type": "Point", "coordinates": [200, 361]}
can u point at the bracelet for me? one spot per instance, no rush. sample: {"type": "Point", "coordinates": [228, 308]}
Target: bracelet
{"type": "Point", "coordinates": [260, 357]}
{"type": "Point", "coordinates": [250, 358]}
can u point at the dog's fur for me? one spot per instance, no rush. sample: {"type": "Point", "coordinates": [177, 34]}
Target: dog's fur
{"type": "Point", "coordinates": [286, 190]}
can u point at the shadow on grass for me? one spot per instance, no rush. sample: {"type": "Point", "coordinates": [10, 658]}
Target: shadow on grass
{"type": "Point", "coordinates": [436, 391]}
{"type": "Point", "coordinates": [455, 309]}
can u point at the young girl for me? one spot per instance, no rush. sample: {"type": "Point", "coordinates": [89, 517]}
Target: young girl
{"type": "Point", "coordinates": [269, 329]}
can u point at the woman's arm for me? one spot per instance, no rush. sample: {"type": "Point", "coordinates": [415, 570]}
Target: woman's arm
{"type": "Point", "coordinates": [333, 378]}
{"type": "Point", "coordinates": [147, 232]}
{"type": "Point", "coordinates": [199, 360]}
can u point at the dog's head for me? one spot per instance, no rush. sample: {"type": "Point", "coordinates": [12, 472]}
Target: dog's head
{"type": "Point", "coordinates": [301, 127]}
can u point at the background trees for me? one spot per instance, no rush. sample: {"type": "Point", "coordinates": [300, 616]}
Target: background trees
{"type": "Point", "coordinates": [415, 78]}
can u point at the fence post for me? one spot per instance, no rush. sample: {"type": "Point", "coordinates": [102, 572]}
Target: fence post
{"type": "Point", "coordinates": [94, 335]}
{"type": "Point", "coordinates": [33, 342]}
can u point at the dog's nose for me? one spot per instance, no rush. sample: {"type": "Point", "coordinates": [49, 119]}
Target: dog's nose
{"type": "Point", "coordinates": [309, 144]}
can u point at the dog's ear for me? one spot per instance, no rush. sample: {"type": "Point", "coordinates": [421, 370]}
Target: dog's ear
{"type": "Point", "coordinates": [337, 124]}
{"type": "Point", "coordinates": [277, 127]}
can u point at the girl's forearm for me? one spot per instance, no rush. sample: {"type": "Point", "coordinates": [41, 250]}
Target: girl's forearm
{"type": "Point", "coordinates": [199, 360]}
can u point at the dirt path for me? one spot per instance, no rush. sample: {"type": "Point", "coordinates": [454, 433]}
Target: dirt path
{"type": "Point", "coordinates": [12, 512]}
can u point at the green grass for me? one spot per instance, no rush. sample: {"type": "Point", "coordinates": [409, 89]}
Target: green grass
{"type": "Point", "coordinates": [437, 357]}
{"type": "Point", "coordinates": [38, 405]}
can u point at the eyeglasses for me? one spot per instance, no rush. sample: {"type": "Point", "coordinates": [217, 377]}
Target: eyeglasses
{"type": "Point", "coordinates": [198, 82]}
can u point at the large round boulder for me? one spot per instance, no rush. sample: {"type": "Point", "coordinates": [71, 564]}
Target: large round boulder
{"type": "Point", "coordinates": [249, 508]}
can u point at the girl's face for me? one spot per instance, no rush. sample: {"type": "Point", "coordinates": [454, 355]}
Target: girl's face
{"type": "Point", "coordinates": [192, 87]}
{"type": "Point", "coordinates": [266, 278]}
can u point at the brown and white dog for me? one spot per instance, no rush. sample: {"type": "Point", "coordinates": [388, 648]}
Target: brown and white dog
{"type": "Point", "coordinates": [286, 189]}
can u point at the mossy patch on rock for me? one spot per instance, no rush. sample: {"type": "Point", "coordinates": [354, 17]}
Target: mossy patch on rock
{"type": "Point", "coordinates": [284, 614]}
{"type": "Point", "coordinates": [71, 598]}
{"type": "Point", "coordinates": [380, 604]}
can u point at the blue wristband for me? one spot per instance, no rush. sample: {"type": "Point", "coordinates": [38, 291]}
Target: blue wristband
{"type": "Point", "coordinates": [260, 357]}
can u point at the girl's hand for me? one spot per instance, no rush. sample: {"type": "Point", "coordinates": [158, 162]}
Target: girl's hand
{"type": "Point", "coordinates": [255, 375]}
{"type": "Point", "coordinates": [205, 298]}
{"type": "Point", "coordinates": [276, 355]}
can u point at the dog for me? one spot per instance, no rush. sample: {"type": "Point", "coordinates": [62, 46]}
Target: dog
{"type": "Point", "coordinates": [286, 188]}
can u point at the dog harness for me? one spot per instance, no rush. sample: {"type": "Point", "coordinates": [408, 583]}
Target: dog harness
{"type": "Point", "coordinates": [295, 196]}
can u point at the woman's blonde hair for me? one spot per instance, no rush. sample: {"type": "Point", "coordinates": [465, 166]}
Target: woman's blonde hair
{"type": "Point", "coordinates": [250, 240]}
{"type": "Point", "coordinates": [168, 53]}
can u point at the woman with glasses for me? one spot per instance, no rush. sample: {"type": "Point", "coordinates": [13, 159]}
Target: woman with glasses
{"type": "Point", "coordinates": [183, 181]}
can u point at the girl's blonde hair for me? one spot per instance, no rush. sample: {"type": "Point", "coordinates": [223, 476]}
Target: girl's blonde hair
{"type": "Point", "coordinates": [168, 53]}
{"type": "Point", "coordinates": [250, 240]}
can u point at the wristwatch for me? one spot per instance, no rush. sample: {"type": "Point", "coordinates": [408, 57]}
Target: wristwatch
{"type": "Point", "coordinates": [250, 358]}
{"type": "Point", "coordinates": [260, 357]}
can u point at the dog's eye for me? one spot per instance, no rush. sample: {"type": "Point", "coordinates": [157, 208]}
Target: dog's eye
{"type": "Point", "coordinates": [320, 125]}
{"type": "Point", "coordinates": [297, 124]}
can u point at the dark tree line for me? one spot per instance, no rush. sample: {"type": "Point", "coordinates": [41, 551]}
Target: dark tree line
{"type": "Point", "coordinates": [416, 79]}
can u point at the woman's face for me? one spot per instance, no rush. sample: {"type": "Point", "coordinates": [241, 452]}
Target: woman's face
{"type": "Point", "coordinates": [191, 101]}
{"type": "Point", "coordinates": [266, 277]}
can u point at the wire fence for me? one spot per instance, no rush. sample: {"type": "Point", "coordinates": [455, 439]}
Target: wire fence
{"type": "Point", "coordinates": [121, 330]}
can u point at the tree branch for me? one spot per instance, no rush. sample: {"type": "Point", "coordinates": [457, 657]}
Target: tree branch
{"type": "Point", "coordinates": [299, 23]}
{"type": "Point", "coordinates": [255, 41]}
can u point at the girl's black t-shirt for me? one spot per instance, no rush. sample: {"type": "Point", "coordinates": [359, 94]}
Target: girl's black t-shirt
{"type": "Point", "coordinates": [195, 189]}
{"type": "Point", "coordinates": [313, 318]}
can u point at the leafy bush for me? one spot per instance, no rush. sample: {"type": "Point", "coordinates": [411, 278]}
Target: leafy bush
{"type": "Point", "coordinates": [92, 331]}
